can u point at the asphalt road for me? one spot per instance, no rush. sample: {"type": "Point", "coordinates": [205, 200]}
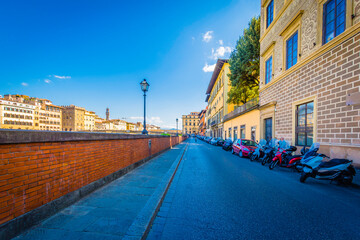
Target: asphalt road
{"type": "Point", "coordinates": [217, 195]}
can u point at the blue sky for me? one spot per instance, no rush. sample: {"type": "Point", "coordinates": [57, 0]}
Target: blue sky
{"type": "Point", "coordinates": [95, 53]}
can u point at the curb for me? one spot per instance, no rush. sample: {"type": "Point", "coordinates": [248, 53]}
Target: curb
{"type": "Point", "coordinates": [140, 228]}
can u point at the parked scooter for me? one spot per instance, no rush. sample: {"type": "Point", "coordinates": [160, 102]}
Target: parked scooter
{"type": "Point", "coordinates": [259, 151]}
{"type": "Point", "coordinates": [339, 170]}
{"type": "Point", "coordinates": [285, 158]}
{"type": "Point", "coordinates": [269, 151]}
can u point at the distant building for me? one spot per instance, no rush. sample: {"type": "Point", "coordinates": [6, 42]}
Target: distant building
{"type": "Point", "coordinates": [202, 123]}
{"type": "Point", "coordinates": [190, 123]}
{"type": "Point", "coordinates": [73, 118]}
{"type": "Point", "coordinates": [16, 115]}
{"type": "Point", "coordinates": [50, 116]}
{"type": "Point", "coordinates": [107, 114]}
{"type": "Point", "coordinates": [89, 120]}
{"type": "Point", "coordinates": [131, 126]}
{"type": "Point", "coordinates": [46, 116]}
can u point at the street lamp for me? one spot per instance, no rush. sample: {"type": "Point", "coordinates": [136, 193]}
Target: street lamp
{"type": "Point", "coordinates": [177, 132]}
{"type": "Point", "coordinates": [144, 87]}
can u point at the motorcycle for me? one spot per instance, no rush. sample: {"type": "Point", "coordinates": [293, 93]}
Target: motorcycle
{"type": "Point", "coordinates": [269, 151]}
{"type": "Point", "coordinates": [340, 170]}
{"type": "Point", "coordinates": [285, 158]}
{"type": "Point", "coordinates": [259, 151]}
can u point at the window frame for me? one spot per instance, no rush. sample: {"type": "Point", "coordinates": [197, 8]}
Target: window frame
{"type": "Point", "coordinates": [271, 2]}
{"type": "Point", "coordinates": [307, 129]}
{"type": "Point", "coordinates": [269, 70]}
{"type": "Point", "coordinates": [294, 116]}
{"type": "Point", "coordinates": [324, 24]}
{"type": "Point", "coordinates": [291, 38]}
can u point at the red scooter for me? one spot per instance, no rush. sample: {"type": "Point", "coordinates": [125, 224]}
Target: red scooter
{"type": "Point", "coordinates": [285, 158]}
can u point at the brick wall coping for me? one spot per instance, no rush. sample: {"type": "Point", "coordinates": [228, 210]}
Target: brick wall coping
{"type": "Point", "coordinates": [11, 136]}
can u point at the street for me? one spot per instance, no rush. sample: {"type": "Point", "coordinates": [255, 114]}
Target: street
{"type": "Point", "coordinates": [217, 195]}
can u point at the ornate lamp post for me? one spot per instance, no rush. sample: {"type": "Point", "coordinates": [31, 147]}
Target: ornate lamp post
{"type": "Point", "coordinates": [144, 87]}
{"type": "Point", "coordinates": [177, 132]}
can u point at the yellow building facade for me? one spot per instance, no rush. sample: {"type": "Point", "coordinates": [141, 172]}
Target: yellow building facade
{"type": "Point", "coordinates": [243, 122]}
{"type": "Point", "coordinates": [216, 98]}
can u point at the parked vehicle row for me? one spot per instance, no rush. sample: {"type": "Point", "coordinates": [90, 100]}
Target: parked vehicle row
{"type": "Point", "coordinates": [275, 153]}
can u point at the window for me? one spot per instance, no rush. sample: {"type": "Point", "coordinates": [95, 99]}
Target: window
{"type": "Point", "coordinates": [268, 129]}
{"type": "Point", "coordinates": [268, 70]}
{"type": "Point", "coordinates": [304, 124]}
{"type": "Point", "coordinates": [235, 133]}
{"type": "Point", "coordinates": [270, 13]}
{"type": "Point", "coordinates": [333, 19]}
{"type": "Point", "coordinates": [291, 50]}
{"type": "Point", "coordinates": [229, 132]}
{"type": "Point", "coordinates": [242, 131]}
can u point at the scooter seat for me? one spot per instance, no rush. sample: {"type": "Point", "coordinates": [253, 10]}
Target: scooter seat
{"type": "Point", "coordinates": [333, 162]}
{"type": "Point", "coordinates": [296, 156]}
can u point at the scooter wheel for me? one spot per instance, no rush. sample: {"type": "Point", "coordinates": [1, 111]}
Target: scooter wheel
{"type": "Point", "coordinates": [263, 162]}
{"type": "Point", "coordinates": [273, 164]}
{"type": "Point", "coordinates": [347, 179]}
{"type": "Point", "coordinates": [304, 176]}
{"type": "Point", "coordinates": [252, 157]}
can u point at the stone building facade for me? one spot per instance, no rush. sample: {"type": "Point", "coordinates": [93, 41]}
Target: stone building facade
{"type": "Point", "coordinates": [190, 123]}
{"type": "Point", "coordinates": [73, 118]}
{"type": "Point", "coordinates": [310, 76]}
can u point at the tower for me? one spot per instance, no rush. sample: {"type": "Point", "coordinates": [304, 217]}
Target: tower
{"type": "Point", "coordinates": [107, 114]}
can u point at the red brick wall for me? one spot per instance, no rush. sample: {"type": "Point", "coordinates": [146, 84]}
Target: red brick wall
{"type": "Point", "coordinates": [33, 174]}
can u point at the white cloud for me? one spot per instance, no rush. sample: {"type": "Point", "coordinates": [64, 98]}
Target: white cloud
{"type": "Point", "coordinates": [220, 52]}
{"type": "Point", "coordinates": [221, 42]}
{"type": "Point", "coordinates": [149, 120]}
{"type": "Point", "coordinates": [47, 81]}
{"type": "Point", "coordinates": [208, 68]}
{"type": "Point", "coordinates": [24, 84]}
{"type": "Point", "coordinates": [208, 36]}
{"type": "Point", "coordinates": [61, 77]}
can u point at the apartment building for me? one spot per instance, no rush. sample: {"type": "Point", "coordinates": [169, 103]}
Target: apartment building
{"type": "Point", "coordinates": [216, 97]}
{"type": "Point", "coordinates": [49, 116]}
{"type": "Point", "coordinates": [17, 115]}
{"type": "Point", "coordinates": [89, 120]}
{"type": "Point", "coordinates": [309, 76]}
{"type": "Point", "coordinates": [190, 123]}
{"type": "Point", "coordinates": [202, 123]}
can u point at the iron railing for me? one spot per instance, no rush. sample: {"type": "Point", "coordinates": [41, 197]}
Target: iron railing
{"type": "Point", "coordinates": [242, 108]}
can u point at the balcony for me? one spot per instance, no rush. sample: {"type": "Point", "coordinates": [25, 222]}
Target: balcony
{"type": "Point", "coordinates": [250, 105]}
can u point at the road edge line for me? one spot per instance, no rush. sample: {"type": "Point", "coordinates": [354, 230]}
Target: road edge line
{"type": "Point", "coordinates": [140, 228]}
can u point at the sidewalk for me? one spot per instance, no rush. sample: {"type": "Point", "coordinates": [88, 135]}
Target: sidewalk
{"type": "Point", "coordinates": [112, 211]}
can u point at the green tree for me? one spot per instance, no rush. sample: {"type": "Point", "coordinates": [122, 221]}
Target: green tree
{"type": "Point", "coordinates": [245, 65]}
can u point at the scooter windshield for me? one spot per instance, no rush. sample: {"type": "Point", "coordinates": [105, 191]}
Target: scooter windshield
{"type": "Point", "coordinates": [273, 142]}
{"type": "Point", "coordinates": [312, 151]}
{"type": "Point", "coordinates": [262, 142]}
{"type": "Point", "coordinates": [284, 144]}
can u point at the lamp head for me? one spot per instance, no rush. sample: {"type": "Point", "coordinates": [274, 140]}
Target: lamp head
{"type": "Point", "coordinates": [144, 85]}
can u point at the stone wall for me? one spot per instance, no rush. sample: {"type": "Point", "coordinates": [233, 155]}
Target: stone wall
{"type": "Point", "coordinates": [39, 167]}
